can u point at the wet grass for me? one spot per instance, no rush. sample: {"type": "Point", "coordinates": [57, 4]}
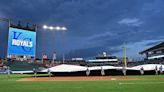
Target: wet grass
{"type": "Point", "coordinates": [9, 84]}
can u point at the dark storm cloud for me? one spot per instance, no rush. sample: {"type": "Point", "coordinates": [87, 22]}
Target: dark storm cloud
{"type": "Point", "coordinates": [93, 25]}
{"type": "Point", "coordinates": [133, 27]}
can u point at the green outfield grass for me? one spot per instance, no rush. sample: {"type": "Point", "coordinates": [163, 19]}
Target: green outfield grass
{"type": "Point", "coordinates": [11, 85]}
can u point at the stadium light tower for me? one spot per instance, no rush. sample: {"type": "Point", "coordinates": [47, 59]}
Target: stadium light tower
{"type": "Point", "coordinates": [56, 28]}
{"type": "Point", "coordinates": [9, 22]}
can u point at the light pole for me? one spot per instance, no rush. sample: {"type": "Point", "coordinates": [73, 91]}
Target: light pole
{"type": "Point", "coordinates": [125, 58]}
{"type": "Point", "coordinates": [56, 28]}
{"type": "Point", "coordinates": [9, 24]}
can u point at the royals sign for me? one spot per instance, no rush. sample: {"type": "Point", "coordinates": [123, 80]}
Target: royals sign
{"type": "Point", "coordinates": [21, 42]}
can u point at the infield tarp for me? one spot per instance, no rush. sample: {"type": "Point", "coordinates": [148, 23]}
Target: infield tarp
{"type": "Point", "coordinates": [76, 68]}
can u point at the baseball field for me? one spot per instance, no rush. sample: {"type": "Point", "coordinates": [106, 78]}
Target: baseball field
{"type": "Point", "coordinates": [27, 83]}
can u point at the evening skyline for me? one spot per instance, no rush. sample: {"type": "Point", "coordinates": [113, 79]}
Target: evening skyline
{"type": "Point", "coordinates": [94, 26]}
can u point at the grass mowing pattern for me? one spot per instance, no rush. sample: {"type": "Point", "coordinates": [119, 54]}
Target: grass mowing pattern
{"type": "Point", "coordinates": [11, 85]}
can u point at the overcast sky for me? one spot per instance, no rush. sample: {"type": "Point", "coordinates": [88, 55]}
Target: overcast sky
{"type": "Point", "coordinates": [94, 26]}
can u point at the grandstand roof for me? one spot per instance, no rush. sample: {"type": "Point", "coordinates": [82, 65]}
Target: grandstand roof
{"type": "Point", "coordinates": [156, 47]}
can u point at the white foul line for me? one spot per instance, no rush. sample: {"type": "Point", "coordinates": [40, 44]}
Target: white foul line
{"type": "Point", "coordinates": [139, 83]}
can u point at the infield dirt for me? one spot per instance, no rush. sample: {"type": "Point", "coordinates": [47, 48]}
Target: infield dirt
{"type": "Point", "coordinates": [79, 78]}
